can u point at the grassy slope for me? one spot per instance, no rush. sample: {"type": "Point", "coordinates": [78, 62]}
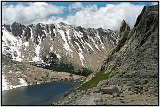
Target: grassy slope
{"type": "Point", "coordinates": [103, 75]}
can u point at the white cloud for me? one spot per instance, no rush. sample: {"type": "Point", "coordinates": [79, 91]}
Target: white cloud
{"type": "Point", "coordinates": [75, 6]}
{"type": "Point", "coordinates": [154, 3]}
{"type": "Point", "coordinates": [31, 13]}
{"type": "Point", "coordinates": [90, 16]}
{"type": "Point", "coordinates": [108, 17]}
{"type": "Point", "coordinates": [52, 19]}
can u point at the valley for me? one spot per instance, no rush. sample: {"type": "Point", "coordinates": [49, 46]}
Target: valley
{"type": "Point", "coordinates": [42, 49]}
{"type": "Point", "coordinates": [93, 66]}
{"type": "Point", "coordinates": [129, 75]}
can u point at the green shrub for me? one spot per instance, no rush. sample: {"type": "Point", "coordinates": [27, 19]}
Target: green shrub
{"type": "Point", "coordinates": [70, 69]}
{"type": "Point", "coordinates": [84, 72]}
{"type": "Point", "coordinates": [102, 75]}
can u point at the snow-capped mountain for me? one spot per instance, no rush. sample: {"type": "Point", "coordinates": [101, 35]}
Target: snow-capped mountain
{"type": "Point", "coordinates": [77, 45]}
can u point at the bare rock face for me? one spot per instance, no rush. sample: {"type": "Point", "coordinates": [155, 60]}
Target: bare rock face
{"type": "Point", "coordinates": [124, 26]}
{"type": "Point", "coordinates": [123, 36]}
{"type": "Point", "coordinates": [17, 29]}
{"type": "Point", "coordinates": [136, 62]}
{"type": "Point", "coordinates": [109, 90]}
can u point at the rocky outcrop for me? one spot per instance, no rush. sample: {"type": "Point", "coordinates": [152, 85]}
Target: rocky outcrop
{"type": "Point", "coordinates": [17, 29]}
{"type": "Point", "coordinates": [137, 61]}
{"type": "Point", "coordinates": [109, 90]}
{"type": "Point", "coordinates": [124, 26]}
{"type": "Point", "coordinates": [133, 64]}
{"type": "Point", "coordinates": [123, 36]}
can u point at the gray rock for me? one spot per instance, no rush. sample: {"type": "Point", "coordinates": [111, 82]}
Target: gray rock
{"type": "Point", "coordinates": [109, 90]}
{"type": "Point", "coordinates": [96, 90]}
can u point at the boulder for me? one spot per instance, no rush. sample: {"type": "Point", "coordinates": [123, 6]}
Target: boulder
{"type": "Point", "coordinates": [109, 90]}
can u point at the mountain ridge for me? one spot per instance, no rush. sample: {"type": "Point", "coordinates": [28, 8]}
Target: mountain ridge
{"type": "Point", "coordinates": [69, 42]}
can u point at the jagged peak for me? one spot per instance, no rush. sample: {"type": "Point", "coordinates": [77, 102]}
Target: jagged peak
{"type": "Point", "coordinates": [124, 26]}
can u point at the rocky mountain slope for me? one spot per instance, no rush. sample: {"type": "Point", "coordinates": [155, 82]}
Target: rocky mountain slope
{"type": "Point", "coordinates": [76, 45]}
{"type": "Point", "coordinates": [16, 74]}
{"type": "Point", "coordinates": [55, 47]}
{"type": "Point", "coordinates": [129, 75]}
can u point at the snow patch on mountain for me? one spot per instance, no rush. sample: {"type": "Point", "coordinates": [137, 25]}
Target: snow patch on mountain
{"type": "Point", "coordinates": [80, 54]}
{"type": "Point", "coordinates": [95, 43]}
{"type": "Point", "coordinates": [98, 36]}
{"type": "Point", "coordinates": [4, 84]}
{"type": "Point", "coordinates": [96, 46]}
{"type": "Point", "coordinates": [11, 45]}
{"type": "Point", "coordinates": [66, 45]}
{"type": "Point", "coordinates": [31, 33]}
{"type": "Point", "coordinates": [51, 48]}
{"type": "Point", "coordinates": [58, 56]}
{"type": "Point", "coordinates": [37, 51]}
{"type": "Point", "coordinates": [26, 44]}
{"type": "Point", "coordinates": [89, 46]}
{"type": "Point", "coordinates": [8, 86]}
{"type": "Point", "coordinates": [79, 34]}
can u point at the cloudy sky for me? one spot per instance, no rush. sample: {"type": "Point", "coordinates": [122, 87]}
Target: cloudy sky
{"type": "Point", "coordinates": [107, 15]}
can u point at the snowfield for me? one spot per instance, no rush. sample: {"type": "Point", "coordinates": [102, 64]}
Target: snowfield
{"type": "Point", "coordinates": [7, 86]}
{"type": "Point", "coordinates": [11, 44]}
{"type": "Point", "coordinates": [37, 51]}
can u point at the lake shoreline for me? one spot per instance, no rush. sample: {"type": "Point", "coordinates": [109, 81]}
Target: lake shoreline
{"type": "Point", "coordinates": [19, 86]}
{"type": "Point", "coordinates": [53, 77]}
{"type": "Point", "coordinates": [49, 92]}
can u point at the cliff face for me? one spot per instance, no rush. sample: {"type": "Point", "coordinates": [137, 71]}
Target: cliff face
{"type": "Point", "coordinates": [132, 67]}
{"type": "Point", "coordinates": [136, 63]}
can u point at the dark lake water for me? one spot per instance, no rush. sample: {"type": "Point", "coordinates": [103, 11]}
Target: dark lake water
{"type": "Point", "coordinates": [42, 94]}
